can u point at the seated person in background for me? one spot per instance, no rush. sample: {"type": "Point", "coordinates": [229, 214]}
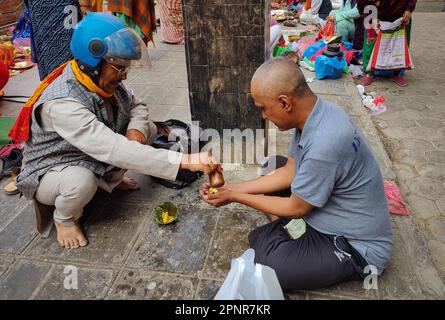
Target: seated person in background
{"type": "Point", "coordinates": [275, 35]}
{"type": "Point", "coordinates": [315, 11]}
{"type": "Point", "coordinates": [344, 20]}
{"type": "Point", "coordinates": [330, 185]}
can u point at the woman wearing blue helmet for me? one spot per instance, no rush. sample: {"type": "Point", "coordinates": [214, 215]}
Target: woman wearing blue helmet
{"type": "Point", "coordinates": [83, 129]}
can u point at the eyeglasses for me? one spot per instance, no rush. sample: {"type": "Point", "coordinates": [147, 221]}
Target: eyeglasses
{"type": "Point", "coordinates": [120, 70]}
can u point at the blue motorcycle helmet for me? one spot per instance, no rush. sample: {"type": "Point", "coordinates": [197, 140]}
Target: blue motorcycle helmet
{"type": "Point", "coordinates": [101, 36]}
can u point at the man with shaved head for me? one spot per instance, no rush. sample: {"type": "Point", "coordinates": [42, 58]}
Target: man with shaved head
{"type": "Point", "coordinates": [330, 221]}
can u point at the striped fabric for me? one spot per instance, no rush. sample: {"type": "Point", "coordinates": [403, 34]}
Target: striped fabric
{"type": "Point", "coordinates": [172, 22]}
{"type": "Point", "coordinates": [51, 38]}
{"type": "Point", "coordinates": [141, 11]}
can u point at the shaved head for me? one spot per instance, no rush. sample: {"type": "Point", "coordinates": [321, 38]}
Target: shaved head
{"type": "Point", "coordinates": [280, 76]}
{"type": "Point", "coordinates": [280, 91]}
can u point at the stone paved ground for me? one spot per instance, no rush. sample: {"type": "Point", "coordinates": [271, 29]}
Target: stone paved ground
{"type": "Point", "coordinates": [130, 257]}
{"type": "Point", "coordinates": [413, 131]}
{"type": "Point", "coordinates": [429, 6]}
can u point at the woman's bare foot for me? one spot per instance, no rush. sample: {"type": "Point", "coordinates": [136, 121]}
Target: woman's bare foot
{"type": "Point", "coordinates": [128, 184]}
{"type": "Point", "coordinates": [70, 237]}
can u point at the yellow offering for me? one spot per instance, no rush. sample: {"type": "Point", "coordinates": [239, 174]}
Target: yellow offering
{"type": "Point", "coordinates": [166, 213]}
{"type": "Point", "coordinates": [167, 218]}
{"type": "Point", "coordinates": [213, 190]}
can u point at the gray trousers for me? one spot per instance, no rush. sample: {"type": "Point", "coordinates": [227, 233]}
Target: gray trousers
{"type": "Point", "coordinates": [70, 188]}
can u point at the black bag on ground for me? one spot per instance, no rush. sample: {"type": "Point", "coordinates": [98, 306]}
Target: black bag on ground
{"type": "Point", "coordinates": [177, 136]}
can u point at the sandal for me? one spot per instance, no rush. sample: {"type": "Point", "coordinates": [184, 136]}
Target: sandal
{"type": "Point", "coordinates": [11, 161]}
{"type": "Point", "coordinates": [367, 80]}
{"type": "Point", "coordinates": [11, 188]}
{"type": "Point", "coordinates": [399, 81]}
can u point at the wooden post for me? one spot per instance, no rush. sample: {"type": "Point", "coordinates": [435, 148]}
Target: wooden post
{"type": "Point", "coordinates": [226, 41]}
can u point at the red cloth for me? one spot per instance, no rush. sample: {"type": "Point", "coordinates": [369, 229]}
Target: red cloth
{"type": "Point", "coordinates": [4, 75]}
{"type": "Point", "coordinates": [327, 31]}
{"type": "Point", "coordinates": [394, 199]}
{"type": "Point", "coordinates": [22, 126]}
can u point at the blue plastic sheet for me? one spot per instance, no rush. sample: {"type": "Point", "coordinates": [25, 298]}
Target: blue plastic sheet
{"type": "Point", "coordinates": [313, 49]}
{"type": "Point", "coordinates": [348, 45]}
{"type": "Point", "coordinates": [329, 68]}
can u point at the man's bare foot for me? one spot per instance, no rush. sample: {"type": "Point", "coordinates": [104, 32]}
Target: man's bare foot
{"type": "Point", "coordinates": [128, 184]}
{"type": "Point", "coordinates": [70, 237]}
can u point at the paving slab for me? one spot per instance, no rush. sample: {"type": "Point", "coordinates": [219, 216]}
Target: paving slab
{"type": "Point", "coordinates": [134, 285]}
{"type": "Point", "coordinates": [17, 235]}
{"type": "Point", "coordinates": [207, 289]}
{"type": "Point", "coordinates": [25, 279]}
{"type": "Point", "coordinates": [230, 239]}
{"type": "Point", "coordinates": [111, 235]}
{"type": "Point", "coordinates": [5, 262]}
{"type": "Point", "coordinates": [149, 190]}
{"type": "Point", "coordinates": [91, 284]}
{"type": "Point", "coordinates": [180, 247]}
{"type": "Point", "coordinates": [11, 207]}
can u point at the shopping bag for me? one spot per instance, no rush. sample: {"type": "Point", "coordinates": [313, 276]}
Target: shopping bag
{"type": "Point", "coordinates": [249, 281]}
{"type": "Point", "coordinates": [327, 31]}
{"type": "Point", "coordinates": [391, 51]}
{"type": "Point", "coordinates": [329, 68]}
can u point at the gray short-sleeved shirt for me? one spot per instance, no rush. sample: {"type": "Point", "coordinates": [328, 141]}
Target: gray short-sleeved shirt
{"type": "Point", "coordinates": [337, 173]}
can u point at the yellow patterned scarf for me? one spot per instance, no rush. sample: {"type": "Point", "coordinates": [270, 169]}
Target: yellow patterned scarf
{"type": "Point", "coordinates": [86, 81]}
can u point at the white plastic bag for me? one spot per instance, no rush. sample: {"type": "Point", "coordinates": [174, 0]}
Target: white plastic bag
{"type": "Point", "coordinates": [249, 281]}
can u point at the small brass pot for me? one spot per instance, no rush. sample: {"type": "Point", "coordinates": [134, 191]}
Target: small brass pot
{"type": "Point", "coordinates": [216, 180]}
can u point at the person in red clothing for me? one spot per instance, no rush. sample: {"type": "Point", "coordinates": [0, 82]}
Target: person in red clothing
{"type": "Point", "coordinates": [388, 10]}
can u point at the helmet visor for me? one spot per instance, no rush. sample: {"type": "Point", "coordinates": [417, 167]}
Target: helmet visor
{"type": "Point", "coordinates": [126, 48]}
